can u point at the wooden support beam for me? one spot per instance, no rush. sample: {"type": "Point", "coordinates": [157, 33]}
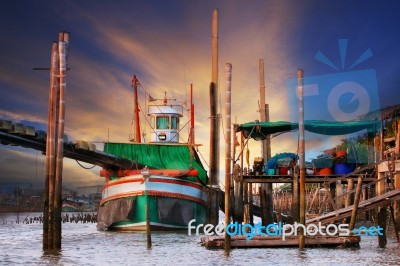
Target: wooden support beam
{"type": "Point", "coordinates": [356, 203]}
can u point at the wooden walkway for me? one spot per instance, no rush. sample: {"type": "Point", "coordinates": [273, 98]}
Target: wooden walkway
{"type": "Point", "coordinates": [71, 151]}
{"type": "Point", "coordinates": [363, 206]}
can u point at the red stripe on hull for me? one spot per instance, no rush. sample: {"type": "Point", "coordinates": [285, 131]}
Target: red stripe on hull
{"type": "Point", "coordinates": [152, 193]}
{"type": "Point", "coordinates": [122, 181]}
{"type": "Point", "coordinates": [173, 181]}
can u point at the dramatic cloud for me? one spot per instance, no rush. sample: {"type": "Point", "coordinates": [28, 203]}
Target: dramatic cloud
{"type": "Point", "coordinates": [168, 46]}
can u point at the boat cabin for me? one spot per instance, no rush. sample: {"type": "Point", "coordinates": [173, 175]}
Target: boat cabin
{"type": "Point", "coordinates": [165, 122]}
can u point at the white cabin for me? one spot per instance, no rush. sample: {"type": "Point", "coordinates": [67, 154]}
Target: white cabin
{"type": "Point", "coordinates": [165, 118]}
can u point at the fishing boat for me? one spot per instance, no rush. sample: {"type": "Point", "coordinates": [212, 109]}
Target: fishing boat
{"type": "Point", "coordinates": [69, 205]}
{"type": "Point", "coordinates": [167, 187]}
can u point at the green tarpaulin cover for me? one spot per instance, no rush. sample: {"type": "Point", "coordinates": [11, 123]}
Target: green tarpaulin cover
{"type": "Point", "coordinates": [159, 156]}
{"type": "Point", "coordinates": [263, 129]}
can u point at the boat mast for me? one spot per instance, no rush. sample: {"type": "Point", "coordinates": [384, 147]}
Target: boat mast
{"type": "Point", "coordinates": [191, 133]}
{"type": "Point", "coordinates": [135, 83]}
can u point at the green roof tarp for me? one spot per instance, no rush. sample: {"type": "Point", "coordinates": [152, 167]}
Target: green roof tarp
{"type": "Point", "coordinates": [260, 130]}
{"type": "Point", "coordinates": [157, 156]}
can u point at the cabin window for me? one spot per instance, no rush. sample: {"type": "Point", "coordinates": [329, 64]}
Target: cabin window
{"type": "Point", "coordinates": [174, 122]}
{"type": "Point", "coordinates": [162, 122]}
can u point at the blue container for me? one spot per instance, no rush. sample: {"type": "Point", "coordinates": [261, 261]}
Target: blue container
{"type": "Point", "coordinates": [271, 172]}
{"type": "Point", "coordinates": [342, 169]}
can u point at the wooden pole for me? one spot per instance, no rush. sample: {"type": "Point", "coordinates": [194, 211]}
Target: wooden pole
{"type": "Point", "coordinates": [214, 127]}
{"type": "Point", "coordinates": [295, 198]}
{"type": "Point", "coordinates": [213, 180]}
{"type": "Point", "coordinates": [62, 50]}
{"type": "Point", "coordinates": [265, 149]}
{"type": "Point", "coordinates": [228, 159]}
{"type": "Point", "coordinates": [367, 196]}
{"type": "Point", "coordinates": [50, 153]}
{"type": "Point", "coordinates": [356, 203]}
{"type": "Point", "coordinates": [382, 211]}
{"type": "Point", "coordinates": [397, 175]}
{"type": "Point", "coordinates": [349, 197]}
{"type": "Point", "coordinates": [246, 203]}
{"type": "Point", "coordinates": [302, 198]}
{"type": "Point", "coordinates": [191, 133]}
{"type": "Point", "coordinates": [214, 44]}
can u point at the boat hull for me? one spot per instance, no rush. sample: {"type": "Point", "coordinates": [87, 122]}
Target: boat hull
{"type": "Point", "coordinates": [172, 203]}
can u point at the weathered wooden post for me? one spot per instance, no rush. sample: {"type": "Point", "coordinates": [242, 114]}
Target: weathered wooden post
{"type": "Point", "coordinates": [339, 194]}
{"type": "Point", "coordinates": [295, 198]}
{"type": "Point", "coordinates": [356, 202]}
{"type": "Point", "coordinates": [228, 159]}
{"type": "Point", "coordinates": [302, 198]}
{"type": "Point", "coordinates": [381, 189]}
{"type": "Point", "coordinates": [349, 196]}
{"type": "Point", "coordinates": [54, 150]}
{"type": "Point", "coordinates": [62, 51]}
{"type": "Point", "coordinates": [265, 150]}
{"type": "Point", "coordinates": [214, 127]}
{"type": "Point", "coordinates": [397, 176]}
{"type": "Point", "coordinates": [50, 152]}
{"type": "Point", "coordinates": [237, 178]}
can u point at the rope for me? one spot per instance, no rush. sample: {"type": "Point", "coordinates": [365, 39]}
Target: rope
{"type": "Point", "coordinates": [247, 140]}
{"type": "Point", "coordinates": [84, 166]}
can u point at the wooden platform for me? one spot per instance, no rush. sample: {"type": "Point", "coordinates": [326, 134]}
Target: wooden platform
{"type": "Point", "coordinates": [217, 242]}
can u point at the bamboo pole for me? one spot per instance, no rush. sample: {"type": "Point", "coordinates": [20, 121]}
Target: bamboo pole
{"type": "Point", "coordinates": [268, 217]}
{"type": "Point", "coordinates": [50, 153]}
{"type": "Point", "coordinates": [214, 126]}
{"type": "Point", "coordinates": [302, 158]}
{"type": "Point", "coordinates": [382, 211]}
{"type": "Point", "coordinates": [246, 196]}
{"type": "Point", "coordinates": [214, 44]}
{"type": "Point", "coordinates": [295, 198]}
{"type": "Point", "coordinates": [62, 48]}
{"type": "Point", "coordinates": [191, 131]}
{"type": "Point", "coordinates": [397, 176]}
{"type": "Point", "coordinates": [213, 180]}
{"type": "Point", "coordinates": [228, 159]}
{"type": "Point", "coordinates": [356, 203]}
{"type": "Point", "coordinates": [251, 217]}
{"type": "Point", "coordinates": [349, 197]}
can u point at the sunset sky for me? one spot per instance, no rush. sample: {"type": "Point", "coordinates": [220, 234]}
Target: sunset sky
{"type": "Point", "coordinates": [167, 44]}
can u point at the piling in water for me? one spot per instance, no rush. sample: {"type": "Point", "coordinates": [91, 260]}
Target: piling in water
{"type": "Point", "coordinates": [302, 186]}
{"type": "Point", "coordinates": [214, 127]}
{"type": "Point", "coordinates": [228, 159]}
{"type": "Point", "coordinates": [55, 144]}
{"type": "Point", "coordinates": [267, 210]}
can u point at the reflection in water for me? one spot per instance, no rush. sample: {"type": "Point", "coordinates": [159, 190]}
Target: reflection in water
{"type": "Point", "coordinates": [82, 244]}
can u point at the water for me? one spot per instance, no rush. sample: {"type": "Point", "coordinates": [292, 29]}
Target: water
{"type": "Point", "coordinates": [82, 244]}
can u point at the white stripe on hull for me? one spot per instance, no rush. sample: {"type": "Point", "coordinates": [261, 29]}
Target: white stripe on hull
{"type": "Point", "coordinates": [135, 185]}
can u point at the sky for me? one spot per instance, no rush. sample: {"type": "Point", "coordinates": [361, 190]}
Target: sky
{"type": "Point", "coordinates": [167, 45]}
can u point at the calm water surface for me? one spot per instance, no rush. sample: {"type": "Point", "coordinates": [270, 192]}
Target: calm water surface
{"type": "Point", "coordinates": [82, 244]}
